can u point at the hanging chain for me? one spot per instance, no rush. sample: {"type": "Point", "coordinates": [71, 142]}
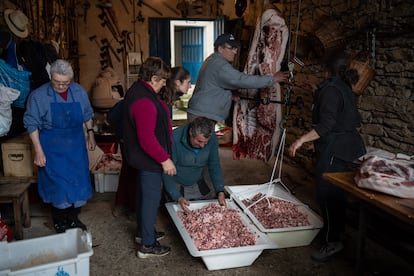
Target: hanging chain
{"type": "Point", "coordinates": [297, 29]}
{"type": "Point", "coordinates": [373, 48]}
{"type": "Point", "coordinates": [291, 64]}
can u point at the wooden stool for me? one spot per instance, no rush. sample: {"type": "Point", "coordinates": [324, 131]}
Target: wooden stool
{"type": "Point", "coordinates": [15, 191]}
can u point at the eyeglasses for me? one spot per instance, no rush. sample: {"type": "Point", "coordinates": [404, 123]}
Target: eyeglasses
{"type": "Point", "coordinates": [60, 83]}
{"type": "Point", "coordinates": [231, 48]}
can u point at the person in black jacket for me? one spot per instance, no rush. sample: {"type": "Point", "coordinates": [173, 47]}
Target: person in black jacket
{"type": "Point", "coordinates": [337, 144]}
{"type": "Point", "coordinates": [147, 135]}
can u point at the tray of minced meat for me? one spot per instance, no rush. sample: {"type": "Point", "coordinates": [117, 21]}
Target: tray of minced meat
{"type": "Point", "coordinates": [276, 212]}
{"type": "Point", "coordinates": [222, 237]}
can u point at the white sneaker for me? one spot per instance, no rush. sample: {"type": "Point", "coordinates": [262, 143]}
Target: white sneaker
{"type": "Point", "coordinates": [327, 250]}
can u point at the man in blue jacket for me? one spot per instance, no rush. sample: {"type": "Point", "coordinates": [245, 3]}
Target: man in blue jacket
{"type": "Point", "coordinates": [195, 147]}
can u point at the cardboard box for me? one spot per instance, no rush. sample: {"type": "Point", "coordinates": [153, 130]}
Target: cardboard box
{"type": "Point", "coordinates": [17, 157]}
{"type": "Point", "coordinates": [222, 258]}
{"type": "Point", "coordinates": [284, 237]}
{"type": "Point", "coordinates": [94, 156]}
{"type": "Point", "coordinates": [58, 254]}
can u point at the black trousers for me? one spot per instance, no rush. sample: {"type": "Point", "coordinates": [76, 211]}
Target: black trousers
{"type": "Point", "coordinates": [332, 199]}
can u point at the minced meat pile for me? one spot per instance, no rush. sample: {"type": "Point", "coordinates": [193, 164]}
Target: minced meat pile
{"type": "Point", "coordinates": [280, 213]}
{"type": "Point", "coordinates": [214, 226]}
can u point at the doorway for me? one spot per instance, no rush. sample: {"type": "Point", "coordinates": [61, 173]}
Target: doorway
{"type": "Point", "coordinates": [191, 42]}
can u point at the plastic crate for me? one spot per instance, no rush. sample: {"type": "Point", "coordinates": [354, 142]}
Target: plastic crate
{"type": "Point", "coordinates": [105, 177]}
{"type": "Point", "coordinates": [106, 182]}
{"type": "Point", "coordinates": [59, 254]}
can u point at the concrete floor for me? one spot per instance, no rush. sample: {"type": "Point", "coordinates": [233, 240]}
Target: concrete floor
{"type": "Point", "coordinates": [114, 248]}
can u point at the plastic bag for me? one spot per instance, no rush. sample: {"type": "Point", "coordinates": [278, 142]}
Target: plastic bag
{"type": "Point", "coordinates": [224, 134]}
{"type": "Point", "coordinates": [390, 176]}
{"type": "Point", "coordinates": [7, 96]}
{"type": "Point", "coordinates": [19, 80]}
{"type": "Point", "coordinates": [6, 233]}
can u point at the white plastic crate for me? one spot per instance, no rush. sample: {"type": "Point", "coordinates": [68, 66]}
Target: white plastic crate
{"type": "Point", "coordinates": [106, 182]}
{"type": "Point", "coordinates": [106, 178]}
{"type": "Point", "coordinates": [284, 237]}
{"type": "Point", "coordinates": [59, 254]}
{"type": "Point", "coordinates": [225, 257]}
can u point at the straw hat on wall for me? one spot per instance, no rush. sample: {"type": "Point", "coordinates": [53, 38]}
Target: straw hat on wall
{"type": "Point", "coordinates": [17, 22]}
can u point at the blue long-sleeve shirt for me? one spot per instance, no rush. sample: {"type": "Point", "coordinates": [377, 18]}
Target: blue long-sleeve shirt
{"type": "Point", "coordinates": [190, 163]}
{"type": "Point", "coordinates": [37, 115]}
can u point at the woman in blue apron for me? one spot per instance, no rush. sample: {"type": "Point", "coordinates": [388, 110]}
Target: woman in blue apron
{"type": "Point", "coordinates": [55, 115]}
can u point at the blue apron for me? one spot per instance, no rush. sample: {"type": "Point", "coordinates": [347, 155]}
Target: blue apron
{"type": "Point", "coordinates": [65, 179]}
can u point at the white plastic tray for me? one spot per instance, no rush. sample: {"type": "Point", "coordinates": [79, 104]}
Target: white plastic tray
{"type": "Point", "coordinates": [284, 237]}
{"type": "Point", "coordinates": [58, 254]}
{"type": "Point", "coordinates": [225, 257]}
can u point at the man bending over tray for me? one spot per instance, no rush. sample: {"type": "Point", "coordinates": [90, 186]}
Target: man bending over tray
{"type": "Point", "coordinates": [195, 147]}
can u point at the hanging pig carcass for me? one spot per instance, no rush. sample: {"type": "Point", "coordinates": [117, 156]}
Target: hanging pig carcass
{"type": "Point", "coordinates": [256, 118]}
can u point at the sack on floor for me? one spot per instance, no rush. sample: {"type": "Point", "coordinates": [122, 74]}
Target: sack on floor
{"type": "Point", "coordinates": [7, 96]}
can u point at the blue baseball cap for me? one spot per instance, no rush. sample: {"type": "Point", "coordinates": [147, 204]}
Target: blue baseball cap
{"type": "Point", "coordinates": [226, 38]}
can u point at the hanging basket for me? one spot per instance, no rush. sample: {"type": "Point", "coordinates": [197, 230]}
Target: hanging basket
{"type": "Point", "coordinates": [366, 74]}
{"type": "Point", "coordinates": [327, 37]}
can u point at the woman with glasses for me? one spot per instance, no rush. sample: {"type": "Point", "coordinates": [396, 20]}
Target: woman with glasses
{"type": "Point", "coordinates": [55, 118]}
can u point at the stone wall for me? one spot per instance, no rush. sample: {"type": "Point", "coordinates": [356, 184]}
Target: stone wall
{"type": "Point", "coordinates": [380, 32]}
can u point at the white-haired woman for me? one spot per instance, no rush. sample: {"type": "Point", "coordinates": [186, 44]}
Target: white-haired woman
{"type": "Point", "coordinates": [55, 116]}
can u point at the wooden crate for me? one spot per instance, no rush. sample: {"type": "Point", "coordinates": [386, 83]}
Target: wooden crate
{"type": "Point", "coordinates": [17, 159]}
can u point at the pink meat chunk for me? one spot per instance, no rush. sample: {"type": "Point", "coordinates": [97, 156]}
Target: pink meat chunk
{"type": "Point", "coordinates": [215, 227]}
{"type": "Point", "coordinates": [275, 213]}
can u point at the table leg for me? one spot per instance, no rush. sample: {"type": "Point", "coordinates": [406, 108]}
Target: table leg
{"type": "Point", "coordinates": [17, 210]}
{"type": "Point", "coordinates": [360, 239]}
{"type": "Point", "coordinates": [26, 209]}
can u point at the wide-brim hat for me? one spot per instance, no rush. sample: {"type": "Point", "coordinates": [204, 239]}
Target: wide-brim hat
{"type": "Point", "coordinates": [17, 22]}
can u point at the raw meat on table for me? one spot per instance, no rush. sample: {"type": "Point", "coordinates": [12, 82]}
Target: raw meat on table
{"type": "Point", "coordinates": [390, 176]}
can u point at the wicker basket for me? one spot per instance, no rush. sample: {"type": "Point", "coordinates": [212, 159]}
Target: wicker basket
{"type": "Point", "coordinates": [366, 74]}
{"type": "Point", "coordinates": [327, 37]}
